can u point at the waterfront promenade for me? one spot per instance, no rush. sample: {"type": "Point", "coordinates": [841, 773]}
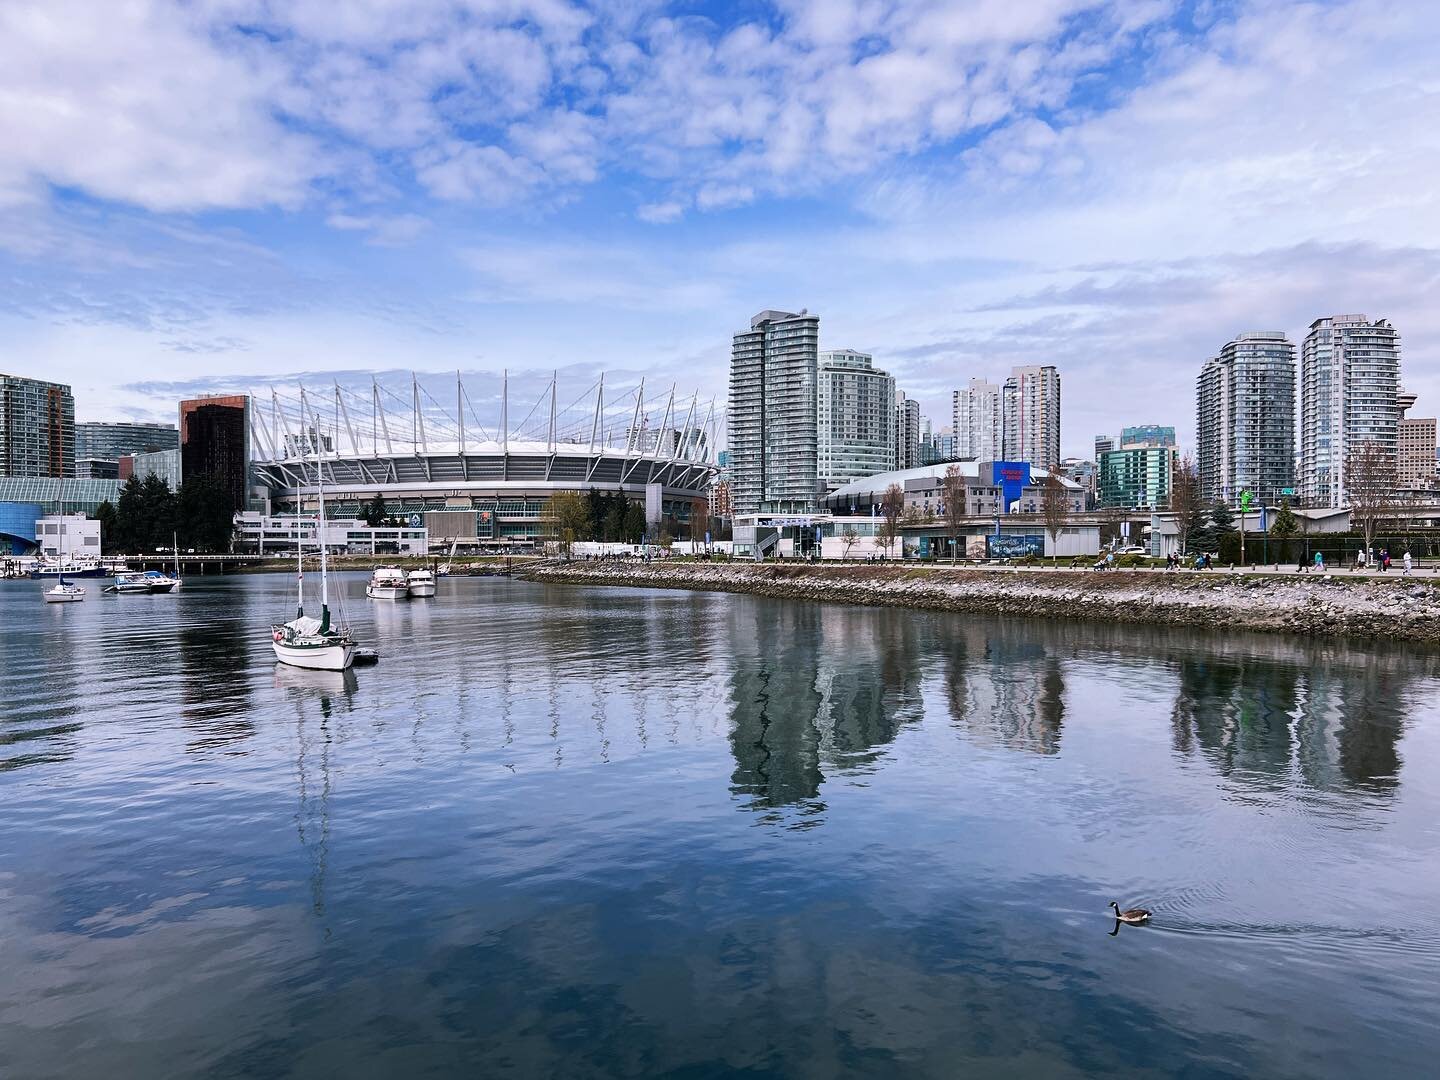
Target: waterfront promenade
{"type": "Point", "coordinates": [1389, 606]}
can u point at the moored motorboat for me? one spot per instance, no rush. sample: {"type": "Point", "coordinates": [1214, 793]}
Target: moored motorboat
{"type": "Point", "coordinates": [387, 583]}
{"type": "Point", "coordinates": [420, 583]}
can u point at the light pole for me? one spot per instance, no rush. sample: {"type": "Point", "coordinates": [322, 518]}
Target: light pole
{"type": "Point", "coordinates": [1245, 500]}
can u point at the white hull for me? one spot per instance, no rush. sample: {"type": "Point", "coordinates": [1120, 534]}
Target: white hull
{"type": "Point", "coordinates": [62, 595]}
{"type": "Point", "coordinates": [335, 657]}
{"type": "Point", "coordinates": [422, 589]}
{"type": "Point", "coordinates": [387, 592]}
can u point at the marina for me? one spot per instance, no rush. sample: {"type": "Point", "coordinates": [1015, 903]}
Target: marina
{"type": "Point", "coordinates": [766, 835]}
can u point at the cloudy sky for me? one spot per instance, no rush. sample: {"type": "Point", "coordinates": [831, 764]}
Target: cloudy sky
{"type": "Point", "coordinates": [216, 193]}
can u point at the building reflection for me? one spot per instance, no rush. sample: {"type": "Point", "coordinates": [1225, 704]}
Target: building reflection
{"type": "Point", "coordinates": [215, 706]}
{"type": "Point", "coordinates": [1300, 712]}
{"type": "Point", "coordinates": [816, 687]}
{"type": "Point", "coordinates": [1005, 686]}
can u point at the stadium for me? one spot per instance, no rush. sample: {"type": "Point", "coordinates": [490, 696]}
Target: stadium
{"type": "Point", "coordinates": [466, 469]}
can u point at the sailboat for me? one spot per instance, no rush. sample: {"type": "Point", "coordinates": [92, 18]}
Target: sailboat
{"type": "Point", "coordinates": [63, 592]}
{"type": "Point", "coordinates": [175, 541]}
{"type": "Point", "coordinates": [305, 641]}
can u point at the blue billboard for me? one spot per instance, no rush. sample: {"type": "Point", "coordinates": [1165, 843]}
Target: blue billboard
{"type": "Point", "coordinates": [1011, 477]}
{"type": "Point", "coordinates": [1014, 547]}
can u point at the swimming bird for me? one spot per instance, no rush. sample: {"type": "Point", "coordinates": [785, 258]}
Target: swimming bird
{"type": "Point", "coordinates": [1131, 915]}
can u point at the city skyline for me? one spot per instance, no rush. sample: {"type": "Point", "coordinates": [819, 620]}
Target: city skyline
{"type": "Point", "coordinates": [1106, 187]}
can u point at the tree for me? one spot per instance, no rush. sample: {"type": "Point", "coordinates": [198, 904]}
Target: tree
{"type": "Point", "coordinates": [892, 507]}
{"type": "Point", "coordinates": [204, 519]}
{"type": "Point", "coordinates": [1217, 536]}
{"type": "Point", "coordinates": [952, 494]}
{"type": "Point", "coordinates": [634, 524]}
{"type": "Point", "coordinates": [1285, 526]}
{"type": "Point", "coordinates": [373, 512]}
{"type": "Point", "coordinates": [1054, 506]}
{"type": "Point", "coordinates": [848, 539]}
{"type": "Point", "coordinates": [569, 515]}
{"type": "Point", "coordinates": [105, 515]}
{"type": "Point", "coordinates": [1370, 485]}
{"type": "Point", "coordinates": [1186, 502]}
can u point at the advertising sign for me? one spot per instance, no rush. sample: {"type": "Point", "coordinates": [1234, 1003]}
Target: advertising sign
{"type": "Point", "coordinates": [416, 521]}
{"type": "Point", "coordinates": [653, 503]}
{"type": "Point", "coordinates": [485, 524]}
{"type": "Point", "coordinates": [1013, 547]}
{"type": "Point", "coordinates": [1011, 477]}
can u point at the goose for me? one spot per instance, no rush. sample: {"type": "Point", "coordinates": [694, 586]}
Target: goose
{"type": "Point", "coordinates": [1132, 915]}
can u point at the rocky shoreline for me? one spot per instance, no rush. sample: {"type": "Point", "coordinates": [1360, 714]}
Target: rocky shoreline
{"type": "Point", "coordinates": [1328, 605]}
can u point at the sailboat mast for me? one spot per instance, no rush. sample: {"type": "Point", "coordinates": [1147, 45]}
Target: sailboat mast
{"type": "Point", "coordinates": [320, 528]}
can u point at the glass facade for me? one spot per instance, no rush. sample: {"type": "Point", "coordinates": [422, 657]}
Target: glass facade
{"type": "Point", "coordinates": [1349, 393]}
{"type": "Point", "coordinates": [977, 419]}
{"type": "Point", "coordinates": [1147, 435]}
{"type": "Point", "coordinates": [37, 428]}
{"type": "Point", "coordinates": [215, 442]}
{"type": "Point", "coordinates": [1245, 420]}
{"type": "Point", "coordinates": [773, 418]}
{"type": "Point", "coordinates": [856, 414]}
{"type": "Point", "coordinates": [107, 441]}
{"type": "Point", "coordinates": [1137, 477]}
{"type": "Point", "coordinates": [78, 496]}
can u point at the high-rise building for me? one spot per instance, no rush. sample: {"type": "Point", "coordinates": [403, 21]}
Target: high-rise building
{"type": "Point", "coordinates": [977, 419]}
{"type": "Point", "coordinates": [162, 463]}
{"type": "Point", "coordinates": [856, 403]}
{"type": "Point", "coordinates": [1417, 447]}
{"type": "Point", "coordinates": [1136, 477]}
{"type": "Point", "coordinates": [1147, 435]}
{"type": "Point", "coordinates": [773, 419]}
{"type": "Point", "coordinates": [215, 442]}
{"type": "Point", "coordinates": [909, 431]}
{"type": "Point", "coordinates": [107, 441]}
{"type": "Point", "coordinates": [37, 428]}
{"type": "Point", "coordinates": [1245, 419]}
{"type": "Point", "coordinates": [1032, 416]}
{"type": "Point", "coordinates": [1349, 393]}
{"type": "Point", "coordinates": [1104, 443]}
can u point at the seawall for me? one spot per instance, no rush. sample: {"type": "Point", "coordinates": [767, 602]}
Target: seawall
{"type": "Point", "coordinates": [1330, 605]}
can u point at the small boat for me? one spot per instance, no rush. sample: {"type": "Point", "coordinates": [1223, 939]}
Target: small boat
{"type": "Point", "coordinates": [175, 541]}
{"type": "Point", "coordinates": [304, 641]}
{"type": "Point", "coordinates": [387, 583]}
{"type": "Point", "coordinates": [64, 593]}
{"type": "Point", "coordinates": [420, 583]}
{"type": "Point", "coordinates": [151, 581]}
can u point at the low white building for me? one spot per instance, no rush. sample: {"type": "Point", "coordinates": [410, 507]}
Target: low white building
{"type": "Point", "coordinates": [74, 535]}
{"type": "Point", "coordinates": [279, 534]}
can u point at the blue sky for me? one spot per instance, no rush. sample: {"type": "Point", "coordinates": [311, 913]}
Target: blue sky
{"type": "Point", "coordinates": [218, 193]}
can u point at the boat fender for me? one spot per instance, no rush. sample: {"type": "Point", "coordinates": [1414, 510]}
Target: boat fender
{"type": "Point", "coordinates": [279, 635]}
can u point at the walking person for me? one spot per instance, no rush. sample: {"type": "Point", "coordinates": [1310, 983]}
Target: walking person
{"type": "Point", "coordinates": [1407, 562]}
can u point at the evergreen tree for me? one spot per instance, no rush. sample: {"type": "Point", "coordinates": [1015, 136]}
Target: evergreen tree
{"type": "Point", "coordinates": [373, 512]}
{"type": "Point", "coordinates": [205, 519]}
{"type": "Point", "coordinates": [109, 536]}
{"type": "Point", "coordinates": [634, 530]}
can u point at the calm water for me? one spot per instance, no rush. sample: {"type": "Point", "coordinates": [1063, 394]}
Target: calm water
{"type": "Point", "coordinates": [579, 832]}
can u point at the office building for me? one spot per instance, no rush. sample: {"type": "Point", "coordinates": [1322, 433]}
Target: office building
{"type": "Point", "coordinates": [977, 419]}
{"type": "Point", "coordinates": [773, 415]}
{"type": "Point", "coordinates": [1103, 444]}
{"type": "Point", "coordinates": [1136, 477]}
{"type": "Point", "coordinates": [37, 428]}
{"type": "Point", "coordinates": [162, 463]}
{"type": "Point", "coordinates": [96, 469]}
{"type": "Point", "coordinates": [107, 441]}
{"type": "Point", "coordinates": [1349, 393]}
{"type": "Point", "coordinates": [909, 431]}
{"type": "Point", "coordinates": [1146, 435]}
{"type": "Point", "coordinates": [856, 407]}
{"type": "Point", "coordinates": [1245, 420]}
{"type": "Point", "coordinates": [215, 442]}
{"type": "Point", "coordinates": [1032, 416]}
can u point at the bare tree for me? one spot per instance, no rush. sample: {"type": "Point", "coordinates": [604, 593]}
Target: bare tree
{"type": "Point", "coordinates": [848, 539]}
{"type": "Point", "coordinates": [570, 517]}
{"type": "Point", "coordinates": [1370, 486]}
{"type": "Point", "coordinates": [1054, 506]}
{"type": "Point", "coordinates": [892, 508]}
{"type": "Point", "coordinates": [1186, 501]}
{"type": "Point", "coordinates": [952, 494]}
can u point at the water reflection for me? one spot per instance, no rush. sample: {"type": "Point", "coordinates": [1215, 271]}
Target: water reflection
{"type": "Point", "coordinates": [817, 686]}
{"type": "Point", "coordinates": [1330, 724]}
{"type": "Point", "coordinates": [1005, 686]}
